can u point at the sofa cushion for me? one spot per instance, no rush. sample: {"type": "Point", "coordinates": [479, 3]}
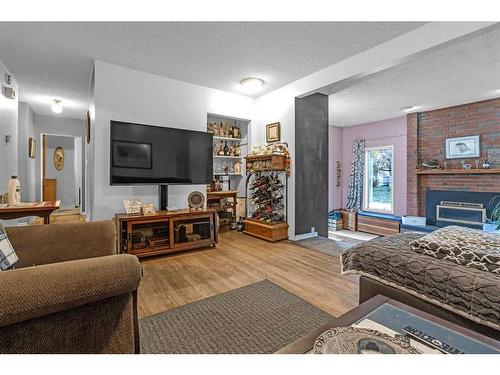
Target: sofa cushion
{"type": "Point", "coordinates": [8, 257]}
{"type": "Point", "coordinates": [466, 246]}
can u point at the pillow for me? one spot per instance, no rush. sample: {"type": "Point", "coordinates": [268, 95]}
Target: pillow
{"type": "Point", "coordinates": [465, 246]}
{"type": "Point", "coordinates": [8, 257]}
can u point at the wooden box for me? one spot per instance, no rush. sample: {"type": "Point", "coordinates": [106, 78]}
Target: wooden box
{"type": "Point", "coordinates": [349, 220]}
{"type": "Point", "coordinates": [265, 231]}
{"type": "Point", "coordinates": [265, 163]}
{"type": "Point", "coordinates": [379, 226]}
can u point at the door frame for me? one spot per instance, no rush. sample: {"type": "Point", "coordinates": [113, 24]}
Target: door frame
{"type": "Point", "coordinates": [84, 165]}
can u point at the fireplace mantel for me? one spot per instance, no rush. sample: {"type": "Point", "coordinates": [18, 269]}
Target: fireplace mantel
{"type": "Point", "coordinates": [459, 171]}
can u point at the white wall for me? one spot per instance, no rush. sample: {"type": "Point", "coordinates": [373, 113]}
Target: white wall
{"type": "Point", "coordinates": [8, 126]}
{"type": "Point", "coordinates": [124, 94]}
{"type": "Point", "coordinates": [26, 165]}
{"type": "Point", "coordinates": [54, 125]}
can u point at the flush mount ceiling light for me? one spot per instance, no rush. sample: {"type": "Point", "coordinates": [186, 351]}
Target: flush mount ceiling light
{"type": "Point", "coordinates": [407, 108]}
{"type": "Point", "coordinates": [57, 106]}
{"type": "Point", "coordinates": [251, 85]}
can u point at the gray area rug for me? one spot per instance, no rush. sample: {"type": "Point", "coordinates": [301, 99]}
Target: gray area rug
{"type": "Point", "coordinates": [257, 318]}
{"type": "Point", "coordinates": [327, 246]}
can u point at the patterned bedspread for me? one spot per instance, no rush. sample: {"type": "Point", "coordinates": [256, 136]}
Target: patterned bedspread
{"type": "Point", "coordinates": [467, 291]}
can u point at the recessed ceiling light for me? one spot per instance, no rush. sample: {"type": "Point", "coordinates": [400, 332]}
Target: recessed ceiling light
{"type": "Point", "coordinates": [407, 108]}
{"type": "Point", "coordinates": [251, 85]}
{"type": "Point", "coordinates": [57, 106]}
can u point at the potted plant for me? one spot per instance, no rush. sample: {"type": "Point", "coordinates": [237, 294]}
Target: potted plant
{"type": "Point", "coordinates": [493, 222]}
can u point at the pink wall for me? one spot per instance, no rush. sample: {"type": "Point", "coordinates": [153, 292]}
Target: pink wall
{"type": "Point", "coordinates": [380, 133]}
{"type": "Point", "coordinates": [335, 153]}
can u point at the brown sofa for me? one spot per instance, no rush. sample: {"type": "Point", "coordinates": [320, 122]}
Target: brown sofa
{"type": "Point", "coordinates": [70, 292]}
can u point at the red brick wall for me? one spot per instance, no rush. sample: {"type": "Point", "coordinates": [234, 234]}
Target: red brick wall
{"type": "Point", "coordinates": [427, 132]}
{"type": "Point", "coordinates": [411, 165]}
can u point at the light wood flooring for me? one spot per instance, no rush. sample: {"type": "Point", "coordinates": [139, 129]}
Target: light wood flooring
{"type": "Point", "coordinates": [238, 260]}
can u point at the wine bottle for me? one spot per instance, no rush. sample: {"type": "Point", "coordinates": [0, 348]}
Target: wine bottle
{"type": "Point", "coordinates": [236, 131]}
{"type": "Point", "coordinates": [226, 150]}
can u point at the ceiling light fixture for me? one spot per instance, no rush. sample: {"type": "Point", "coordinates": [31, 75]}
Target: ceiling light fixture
{"type": "Point", "coordinates": [57, 106]}
{"type": "Point", "coordinates": [251, 85]}
{"type": "Point", "coordinates": [407, 108]}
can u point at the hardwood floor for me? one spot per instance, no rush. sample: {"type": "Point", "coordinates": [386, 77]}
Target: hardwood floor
{"type": "Point", "coordinates": [238, 260]}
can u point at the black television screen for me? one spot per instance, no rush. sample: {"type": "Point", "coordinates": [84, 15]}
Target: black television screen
{"type": "Point", "coordinates": [145, 154]}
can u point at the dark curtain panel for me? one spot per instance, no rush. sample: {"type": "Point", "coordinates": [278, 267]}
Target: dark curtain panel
{"type": "Point", "coordinates": [355, 193]}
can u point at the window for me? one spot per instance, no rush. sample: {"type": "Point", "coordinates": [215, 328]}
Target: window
{"type": "Point", "coordinates": [378, 184]}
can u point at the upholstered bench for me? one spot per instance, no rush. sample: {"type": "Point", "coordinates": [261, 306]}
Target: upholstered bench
{"type": "Point", "coordinates": [378, 223]}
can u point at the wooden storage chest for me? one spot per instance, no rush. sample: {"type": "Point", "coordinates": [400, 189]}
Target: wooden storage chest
{"type": "Point", "coordinates": [379, 226]}
{"type": "Point", "coordinates": [265, 231]}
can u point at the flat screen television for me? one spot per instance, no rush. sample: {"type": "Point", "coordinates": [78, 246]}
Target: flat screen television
{"type": "Point", "coordinates": [145, 154]}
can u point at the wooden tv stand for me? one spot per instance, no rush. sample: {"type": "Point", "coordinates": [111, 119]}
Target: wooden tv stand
{"type": "Point", "coordinates": [166, 232]}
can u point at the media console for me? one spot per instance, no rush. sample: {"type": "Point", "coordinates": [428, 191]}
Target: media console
{"type": "Point", "coordinates": [166, 231]}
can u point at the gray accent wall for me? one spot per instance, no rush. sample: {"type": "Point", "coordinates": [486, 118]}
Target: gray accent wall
{"type": "Point", "coordinates": [311, 164]}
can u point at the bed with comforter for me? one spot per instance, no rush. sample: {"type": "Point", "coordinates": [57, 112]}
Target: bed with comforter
{"type": "Point", "coordinates": [468, 291]}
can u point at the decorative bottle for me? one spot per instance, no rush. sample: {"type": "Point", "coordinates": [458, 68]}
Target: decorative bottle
{"type": "Point", "coordinates": [236, 131]}
{"type": "Point", "coordinates": [221, 149]}
{"type": "Point", "coordinates": [14, 191]}
{"type": "Point", "coordinates": [226, 150]}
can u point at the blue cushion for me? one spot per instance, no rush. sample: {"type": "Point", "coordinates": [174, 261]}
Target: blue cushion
{"type": "Point", "coordinates": [419, 228]}
{"type": "Point", "coordinates": [378, 215]}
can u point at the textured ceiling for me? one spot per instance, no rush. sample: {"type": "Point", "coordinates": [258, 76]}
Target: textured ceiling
{"type": "Point", "coordinates": [462, 72]}
{"type": "Point", "coordinates": [55, 59]}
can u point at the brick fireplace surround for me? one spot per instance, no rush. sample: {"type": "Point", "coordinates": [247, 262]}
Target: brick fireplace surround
{"type": "Point", "coordinates": [426, 134]}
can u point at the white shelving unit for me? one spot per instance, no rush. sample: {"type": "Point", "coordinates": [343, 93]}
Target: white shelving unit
{"type": "Point", "coordinates": [236, 180]}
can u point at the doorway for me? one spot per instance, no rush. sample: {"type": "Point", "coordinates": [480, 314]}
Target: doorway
{"type": "Point", "coordinates": [62, 176]}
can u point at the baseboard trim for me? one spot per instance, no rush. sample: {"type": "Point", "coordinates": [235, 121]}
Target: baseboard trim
{"type": "Point", "coordinates": [304, 236]}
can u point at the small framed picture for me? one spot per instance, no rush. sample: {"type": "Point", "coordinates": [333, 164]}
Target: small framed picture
{"type": "Point", "coordinates": [148, 209]}
{"type": "Point", "coordinates": [273, 132]}
{"type": "Point", "coordinates": [32, 148]}
{"type": "Point", "coordinates": [462, 147]}
{"type": "Point", "coordinates": [87, 126]}
{"type": "Point", "coordinates": [132, 206]}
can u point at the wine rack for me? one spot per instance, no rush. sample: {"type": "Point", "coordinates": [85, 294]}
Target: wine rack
{"type": "Point", "coordinates": [266, 215]}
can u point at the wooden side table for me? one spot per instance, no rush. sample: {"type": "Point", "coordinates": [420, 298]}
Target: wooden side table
{"type": "Point", "coordinates": [40, 209]}
{"type": "Point", "coordinates": [349, 220]}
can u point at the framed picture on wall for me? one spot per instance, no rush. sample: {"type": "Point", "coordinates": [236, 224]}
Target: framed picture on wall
{"type": "Point", "coordinates": [273, 132]}
{"type": "Point", "coordinates": [462, 147]}
{"type": "Point", "coordinates": [32, 148]}
{"type": "Point", "coordinates": [87, 125]}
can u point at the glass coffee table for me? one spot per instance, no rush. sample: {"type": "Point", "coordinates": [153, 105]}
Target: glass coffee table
{"type": "Point", "coordinates": [426, 332]}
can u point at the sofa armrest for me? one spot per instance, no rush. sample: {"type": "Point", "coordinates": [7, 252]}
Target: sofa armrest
{"type": "Point", "coordinates": [44, 244]}
{"type": "Point", "coordinates": [32, 292]}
